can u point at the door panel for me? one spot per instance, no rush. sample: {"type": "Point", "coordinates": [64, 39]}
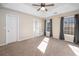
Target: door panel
{"type": "Point", "coordinates": [11, 28]}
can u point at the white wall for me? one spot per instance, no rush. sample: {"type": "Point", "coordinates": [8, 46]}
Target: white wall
{"type": "Point", "coordinates": [69, 38]}
{"type": "Point", "coordinates": [25, 24]}
{"type": "Point", "coordinates": [56, 27]}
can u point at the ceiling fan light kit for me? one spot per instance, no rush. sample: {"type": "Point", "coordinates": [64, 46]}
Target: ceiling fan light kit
{"type": "Point", "coordinates": [42, 6]}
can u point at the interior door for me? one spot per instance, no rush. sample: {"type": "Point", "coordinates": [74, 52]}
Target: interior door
{"type": "Point", "coordinates": [11, 28]}
{"type": "Point", "coordinates": [36, 27]}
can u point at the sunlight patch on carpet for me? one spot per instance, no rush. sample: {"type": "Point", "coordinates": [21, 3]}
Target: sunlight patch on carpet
{"type": "Point", "coordinates": [74, 49]}
{"type": "Point", "coordinates": [43, 45]}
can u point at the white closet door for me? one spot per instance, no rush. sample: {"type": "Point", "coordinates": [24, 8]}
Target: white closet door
{"type": "Point", "coordinates": [11, 28]}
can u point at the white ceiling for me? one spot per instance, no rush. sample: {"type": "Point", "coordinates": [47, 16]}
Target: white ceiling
{"type": "Point", "coordinates": [54, 10]}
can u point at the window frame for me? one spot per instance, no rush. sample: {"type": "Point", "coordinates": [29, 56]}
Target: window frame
{"type": "Point", "coordinates": [69, 23]}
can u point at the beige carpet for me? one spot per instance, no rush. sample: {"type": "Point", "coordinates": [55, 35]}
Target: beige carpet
{"type": "Point", "coordinates": [39, 46]}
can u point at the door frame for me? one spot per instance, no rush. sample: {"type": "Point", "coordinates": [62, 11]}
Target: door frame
{"type": "Point", "coordinates": [34, 27]}
{"type": "Point", "coordinates": [17, 26]}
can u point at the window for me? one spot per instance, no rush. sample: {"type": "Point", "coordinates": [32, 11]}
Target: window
{"type": "Point", "coordinates": [69, 23]}
{"type": "Point", "coordinates": [48, 26]}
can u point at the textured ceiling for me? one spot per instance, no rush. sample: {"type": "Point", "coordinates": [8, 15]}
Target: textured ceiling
{"type": "Point", "coordinates": [53, 10]}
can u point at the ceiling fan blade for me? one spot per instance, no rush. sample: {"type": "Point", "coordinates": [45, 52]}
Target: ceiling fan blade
{"type": "Point", "coordinates": [36, 5]}
{"type": "Point", "coordinates": [38, 9]}
{"type": "Point", "coordinates": [46, 9]}
{"type": "Point", "coordinates": [50, 5]}
{"type": "Point", "coordinates": [42, 4]}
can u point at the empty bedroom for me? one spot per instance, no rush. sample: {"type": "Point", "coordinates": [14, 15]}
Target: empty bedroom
{"type": "Point", "coordinates": [39, 29]}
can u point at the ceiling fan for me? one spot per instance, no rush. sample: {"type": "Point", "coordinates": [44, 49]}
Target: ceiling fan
{"type": "Point", "coordinates": [43, 6]}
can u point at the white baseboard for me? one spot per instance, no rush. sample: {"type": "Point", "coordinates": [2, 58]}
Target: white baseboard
{"type": "Point", "coordinates": [25, 38]}
{"type": "Point", "coordinates": [2, 44]}
{"type": "Point", "coordinates": [29, 37]}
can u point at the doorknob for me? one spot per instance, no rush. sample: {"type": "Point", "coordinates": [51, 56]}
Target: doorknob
{"type": "Point", "coordinates": [8, 31]}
